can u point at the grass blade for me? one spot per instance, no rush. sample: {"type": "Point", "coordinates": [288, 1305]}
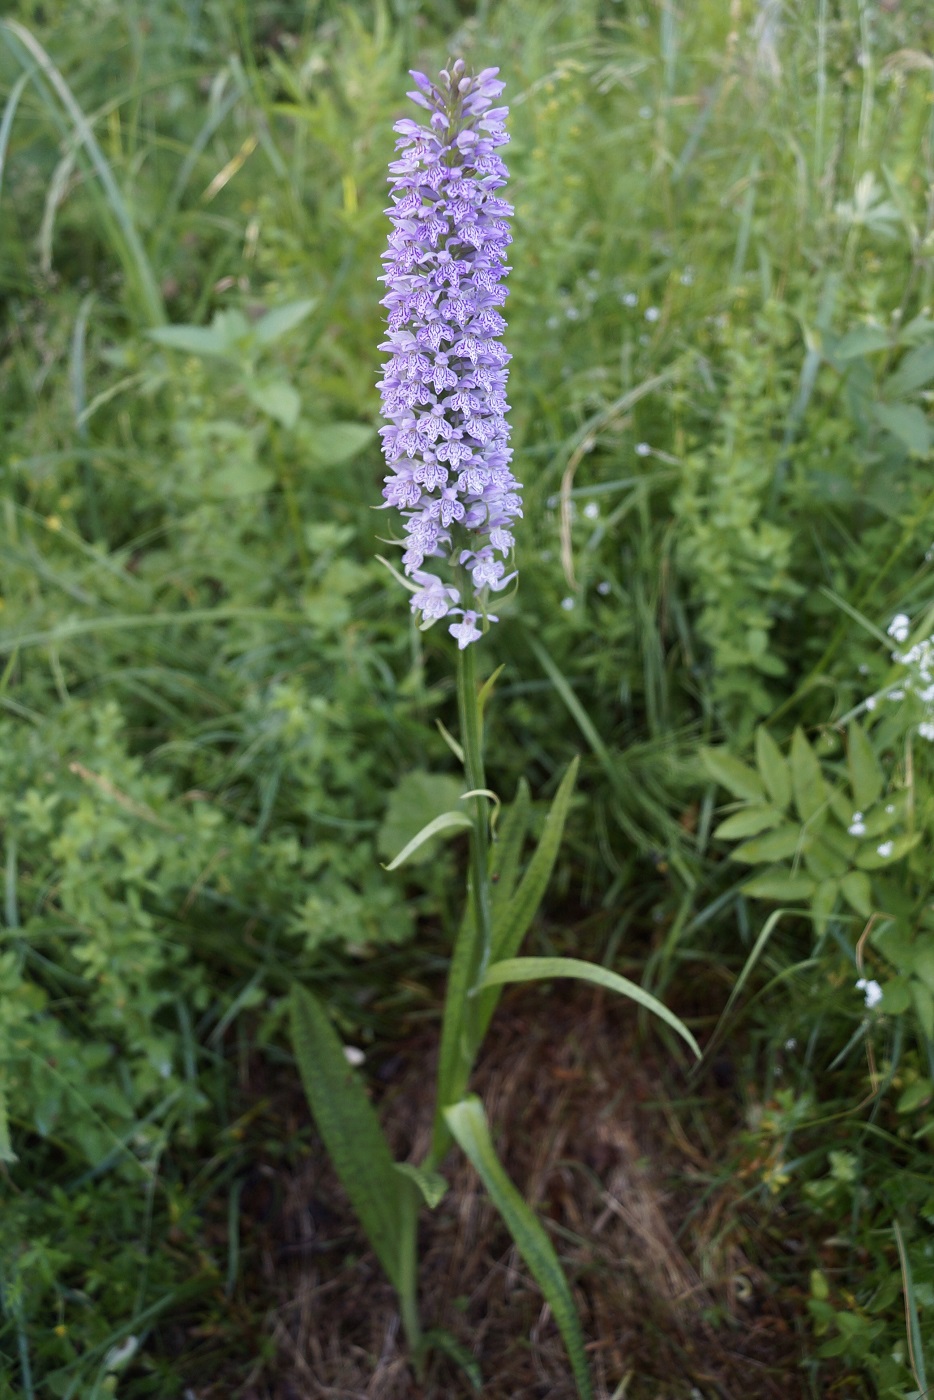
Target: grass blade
{"type": "Point", "coordinates": [132, 252]}
{"type": "Point", "coordinates": [913, 1328]}
{"type": "Point", "coordinates": [467, 1122]}
{"type": "Point", "coordinates": [9, 112]}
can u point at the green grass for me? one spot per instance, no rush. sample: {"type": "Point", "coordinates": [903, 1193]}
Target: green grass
{"type": "Point", "coordinates": [210, 690]}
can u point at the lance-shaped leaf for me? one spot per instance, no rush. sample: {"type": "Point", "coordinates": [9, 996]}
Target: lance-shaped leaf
{"type": "Point", "coordinates": [448, 821]}
{"type": "Point", "coordinates": [512, 925]}
{"type": "Point", "coordinates": [542, 969]}
{"type": "Point", "coordinates": [347, 1121]}
{"type": "Point", "coordinates": [467, 1122]}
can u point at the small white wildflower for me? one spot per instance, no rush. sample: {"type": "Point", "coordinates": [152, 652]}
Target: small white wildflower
{"type": "Point", "coordinates": [897, 694]}
{"type": "Point", "coordinates": [791, 1043]}
{"type": "Point", "coordinates": [889, 808]}
{"type": "Point", "coordinates": [863, 668]}
{"type": "Point", "coordinates": [926, 730]}
{"type": "Point", "coordinates": [899, 627]}
{"type": "Point", "coordinates": [572, 313]}
{"type": "Point", "coordinates": [652, 313]}
{"type": "Point", "coordinates": [603, 588]}
{"type": "Point", "coordinates": [857, 826]}
{"type": "Point", "coordinates": [552, 502]}
{"type": "Point", "coordinates": [643, 449]}
{"type": "Point", "coordinates": [552, 323]}
{"type": "Point", "coordinates": [592, 510]}
{"type": "Point", "coordinates": [630, 299]}
{"type": "Point", "coordinates": [687, 277]}
{"type": "Point", "coordinates": [870, 703]}
{"type": "Point", "coordinates": [567, 604]}
{"type": "Point", "coordinates": [645, 113]}
{"type": "Point", "coordinates": [354, 1055]}
{"type": "Point", "coordinates": [885, 850]}
{"type": "Point", "coordinates": [871, 991]}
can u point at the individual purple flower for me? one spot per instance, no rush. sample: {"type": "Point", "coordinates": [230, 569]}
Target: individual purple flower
{"type": "Point", "coordinates": [446, 439]}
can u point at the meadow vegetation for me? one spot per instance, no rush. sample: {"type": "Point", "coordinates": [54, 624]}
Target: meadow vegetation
{"type": "Point", "coordinates": [217, 720]}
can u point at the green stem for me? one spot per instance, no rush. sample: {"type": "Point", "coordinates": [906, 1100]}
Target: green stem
{"type": "Point", "coordinates": [471, 725]}
{"type": "Point", "coordinates": [408, 1291]}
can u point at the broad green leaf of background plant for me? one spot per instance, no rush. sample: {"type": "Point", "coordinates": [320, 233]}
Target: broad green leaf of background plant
{"type": "Point", "coordinates": [749, 822]}
{"type": "Point", "coordinates": [807, 781]}
{"type": "Point", "coordinates": [347, 1121]}
{"type": "Point", "coordinates": [866, 777]}
{"type": "Point", "coordinates": [906, 421]}
{"type": "Point", "coordinates": [773, 767]}
{"type": "Point", "coordinates": [333, 443]}
{"type": "Point", "coordinates": [468, 1124]}
{"type": "Point", "coordinates": [730, 772]}
{"type": "Point", "coordinates": [543, 969]}
{"type": "Point", "coordinates": [277, 398]}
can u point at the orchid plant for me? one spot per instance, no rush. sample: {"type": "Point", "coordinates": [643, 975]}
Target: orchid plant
{"type": "Point", "coordinates": [446, 443]}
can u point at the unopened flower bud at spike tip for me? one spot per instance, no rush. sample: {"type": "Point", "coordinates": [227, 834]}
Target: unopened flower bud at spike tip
{"type": "Point", "coordinates": [446, 439]}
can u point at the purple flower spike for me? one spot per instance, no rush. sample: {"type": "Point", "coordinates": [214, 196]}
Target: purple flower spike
{"type": "Point", "coordinates": [446, 440]}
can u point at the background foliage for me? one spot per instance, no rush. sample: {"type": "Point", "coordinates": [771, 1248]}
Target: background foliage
{"type": "Point", "coordinates": [212, 698]}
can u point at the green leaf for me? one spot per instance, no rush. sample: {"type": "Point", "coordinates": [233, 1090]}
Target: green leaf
{"type": "Point", "coordinates": [432, 1185]}
{"type": "Point", "coordinates": [866, 777]}
{"type": "Point", "coordinates": [924, 1007]}
{"type": "Point", "coordinates": [467, 1122]}
{"type": "Point", "coordinates": [333, 443]}
{"type": "Point", "coordinates": [911, 1309]}
{"type": "Point", "coordinates": [416, 798]}
{"type": "Point", "coordinates": [774, 767]}
{"type": "Point", "coordinates": [749, 822]}
{"type": "Point", "coordinates": [906, 422]}
{"type": "Point", "coordinates": [923, 964]}
{"type": "Point", "coordinates": [511, 918]}
{"type": "Point", "coordinates": [277, 398]}
{"type": "Point", "coordinates": [730, 773]}
{"type": "Point", "coordinates": [236, 478]}
{"type": "Point", "coordinates": [821, 860]}
{"type": "Point", "coordinates": [510, 929]}
{"type": "Point", "coordinates": [543, 969]}
{"type": "Point", "coordinates": [194, 340]}
{"type": "Point", "coordinates": [281, 320]}
{"type": "Point", "coordinates": [915, 1096]}
{"type": "Point", "coordinates": [896, 996]}
{"type": "Point", "coordinates": [446, 1342]}
{"type": "Point", "coordinates": [822, 903]}
{"type": "Point", "coordinates": [775, 845]}
{"type": "Point", "coordinates": [806, 778]}
{"type": "Point", "coordinates": [350, 1128]}
{"type": "Point", "coordinates": [862, 340]}
{"type": "Point", "coordinates": [506, 849]}
{"type": "Point", "coordinates": [779, 883]}
{"type": "Point", "coordinates": [857, 892]}
{"type": "Point", "coordinates": [227, 336]}
{"type": "Point", "coordinates": [915, 371]}
{"type": "Point", "coordinates": [870, 858]}
{"type": "Point", "coordinates": [6, 1146]}
{"type": "Point", "coordinates": [448, 821]}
